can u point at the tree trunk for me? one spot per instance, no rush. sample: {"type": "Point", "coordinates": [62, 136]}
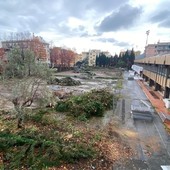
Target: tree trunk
{"type": "Point", "coordinates": [20, 113]}
{"type": "Point", "coordinates": [20, 123]}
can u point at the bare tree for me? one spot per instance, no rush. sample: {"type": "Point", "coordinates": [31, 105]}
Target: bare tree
{"type": "Point", "coordinates": [27, 91]}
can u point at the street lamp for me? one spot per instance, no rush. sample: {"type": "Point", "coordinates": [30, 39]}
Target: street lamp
{"type": "Point", "coordinates": [147, 34]}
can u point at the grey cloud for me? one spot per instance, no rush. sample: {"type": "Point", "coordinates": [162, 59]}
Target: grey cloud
{"type": "Point", "coordinates": [86, 34]}
{"type": "Point", "coordinates": [66, 31]}
{"type": "Point", "coordinates": [123, 44]}
{"type": "Point", "coordinates": [80, 8]}
{"type": "Point", "coordinates": [107, 5]}
{"type": "Point", "coordinates": [113, 41]}
{"type": "Point", "coordinates": [165, 23]}
{"type": "Point", "coordinates": [97, 34]}
{"type": "Point", "coordinates": [81, 27]}
{"type": "Point", "coordinates": [161, 15]}
{"type": "Point", "coordinates": [37, 16]}
{"type": "Point", "coordinates": [163, 18]}
{"type": "Point", "coordinates": [110, 40]}
{"type": "Point", "coordinates": [34, 16]}
{"type": "Point", "coordinates": [120, 19]}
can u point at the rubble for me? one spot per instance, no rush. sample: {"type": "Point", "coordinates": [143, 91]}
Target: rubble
{"type": "Point", "coordinates": [62, 94]}
{"type": "Point", "coordinates": [66, 81]}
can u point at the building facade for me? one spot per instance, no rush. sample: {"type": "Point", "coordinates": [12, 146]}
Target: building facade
{"type": "Point", "coordinates": [78, 57]}
{"type": "Point", "coordinates": [150, 50]}
{"type": "Point", "coordinates": [92, 57]}
{"type": "Point", "coordinates": [163, 47]}
{"type": "Point", "coordinates": [92, 54]}
{"type": "Point", "coordinates": [157, 49]}
{"type": "Point", "coordinates": [35, 44]}
{"type": "Point", "coordinates": [85, 55]}
{"type": "Point", "coordinates": [156, 71]}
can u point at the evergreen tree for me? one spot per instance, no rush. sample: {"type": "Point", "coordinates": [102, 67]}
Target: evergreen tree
{"type": "Point", "coordinates": [115, 60]}
{"type": "Point", "coordinates": [120, 55]}
{"type": "Point", "coordinates": [132, 56]}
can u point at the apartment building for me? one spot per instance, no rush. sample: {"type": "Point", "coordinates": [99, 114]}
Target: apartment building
{"type": "Point", "coordinates": [92, 57]}
{"type": "Point", "coordinates": [163, 47]}
{"type": "Point", "coordinates": [157, 49]}
{"type": "Point", "coordinates": [92, 54]}
{"type": "Point", "coordinates": [150, 50]}
{"type": "Point", "coordinates": [78, 57]}
{"type": "Point", "coordinates": [85, 55]}
{"type": "Point", "coordinates": [36, 44]}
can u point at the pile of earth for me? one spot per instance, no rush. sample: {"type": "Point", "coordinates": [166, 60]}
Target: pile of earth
{"type": "Point", "coordinates": [66, 81]}
{"type": "Point", "coordinates": [85, 75]}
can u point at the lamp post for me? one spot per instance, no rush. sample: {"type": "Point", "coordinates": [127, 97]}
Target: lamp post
{"type": "Point", "coordinates": [147, 34]}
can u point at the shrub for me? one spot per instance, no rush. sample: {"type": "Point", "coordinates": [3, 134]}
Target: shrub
{"type": "Point", "coordinates": [37, 117]}
{"type": "Point", "coordinates": [74, 152]}
{"type": "Point", "coordinates": [77, 110]}
{"type": "Point", "coordinates": [87, 105]}
{"type": "Point", "coordinates": [62, 106]}
{"type": "Point", "coordinates": [94, 108]}
{"type": "Point", "coordinates": [39, 150]}
{"type": "Point", "coordinates": [82, 117]}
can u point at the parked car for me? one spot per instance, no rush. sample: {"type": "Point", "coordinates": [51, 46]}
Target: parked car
{"type": "Point", "coordinates": [131, 77]}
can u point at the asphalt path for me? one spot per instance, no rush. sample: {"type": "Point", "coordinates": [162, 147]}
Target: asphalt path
{"type": "Point", "coordinates": [152, 143]}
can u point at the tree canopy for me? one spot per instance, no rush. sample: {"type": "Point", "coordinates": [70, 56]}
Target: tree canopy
{"type": "Point", "coordinates": [28, 76]}
{"type": "Point", "coordinates": [125, 60]}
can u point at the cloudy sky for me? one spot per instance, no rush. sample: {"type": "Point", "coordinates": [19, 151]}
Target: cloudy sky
{"type": "Point", "coordinates": [110, 25]}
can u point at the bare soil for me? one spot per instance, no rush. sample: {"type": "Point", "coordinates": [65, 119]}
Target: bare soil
{"type": "Point", "coordinates": [113, 145]}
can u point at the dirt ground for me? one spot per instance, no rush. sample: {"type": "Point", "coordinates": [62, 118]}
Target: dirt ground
{"type": "Point", "coordinates": [107, 128]}
{"type": "Point", "coordinates": [105, 78]}
{"type": "Point", "coordinates": [128, 145]}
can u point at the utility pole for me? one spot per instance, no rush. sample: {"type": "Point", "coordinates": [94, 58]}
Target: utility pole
{"type": "Point", "coordinates": [147, 34]}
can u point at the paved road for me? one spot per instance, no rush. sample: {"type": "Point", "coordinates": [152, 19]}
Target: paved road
{"type": "Point", "coordinates": [151, 142]}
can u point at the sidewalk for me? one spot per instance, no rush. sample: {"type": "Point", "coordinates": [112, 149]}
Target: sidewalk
{"type": "Point", "coordinates": [157, 102]}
